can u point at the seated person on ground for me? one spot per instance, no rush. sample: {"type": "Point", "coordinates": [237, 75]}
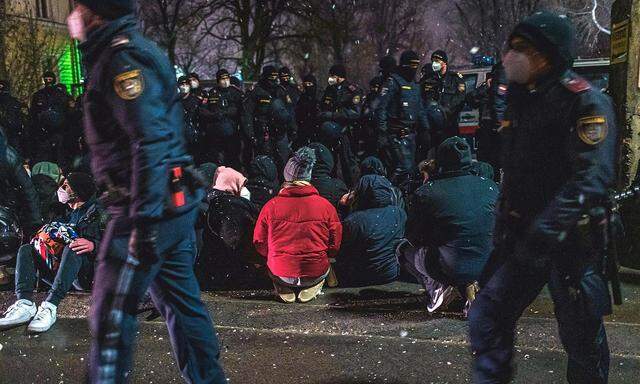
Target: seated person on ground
{"type": "Point", "coordinates": [63, 252]}
{"type": "Point", "coordinates": [263, 180]}
{"type": "Point", "coordinates": [297, 232]}
{"type": "Point", "coordinates": [329, 187]}
{"type": "Point", "coordinates": [450, 227]}
{"type": "Point", "coordinates": [228, 257]}
{"type": "Point", "coordinates": [371, 235]}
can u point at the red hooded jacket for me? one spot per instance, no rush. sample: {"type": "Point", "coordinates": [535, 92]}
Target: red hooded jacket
{"type": "Point", "coordinates": [297, 231]}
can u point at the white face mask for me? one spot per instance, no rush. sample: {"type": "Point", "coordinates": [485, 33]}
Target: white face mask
{"type": "Point", "coordinates": [184, 89]}
{"type": "Point", "coordinates": [194, 84]}
{"type": "Point", "coordinates": [436, 66]}
{"type": "Point", "coordinates": [224, 83]}
{"type": "Point", "coordinates": [332, 80]}
{"type": "Point", "coordinates": [517, 67]}
{"type": "Point", "coordinates": [76, 26]}
{"type": "Point", "coordinates": [63, 195]}
{"type": "Point", "coordinates": [245, 193]}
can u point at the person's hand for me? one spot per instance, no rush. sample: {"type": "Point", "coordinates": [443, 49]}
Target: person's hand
{"type": "Point", "coordinates": [142, 244]}
{"type": "Point", "coordinates": [82, 246]}
{"type": "Point", "coordinates": [347, 199]}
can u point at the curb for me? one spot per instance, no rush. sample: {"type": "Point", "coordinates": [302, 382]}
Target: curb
{"type": "Point", "coordinates": [629, 275]}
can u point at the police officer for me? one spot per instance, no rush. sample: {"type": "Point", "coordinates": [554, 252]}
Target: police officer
{"type": "Point", "coordinates": [490, 97]}
{"type": "Point", "coordinates": [340, 112]}
{"type": "Point", "coordinates": [134, 127]}
{"type": "Point", "coordinates": [290, 87]}
{"type": "Point", "coordinates": [11, 117]}
{"type": "Point", "coordinates": [191, 105]}
{"type": "Point", "coordinates": [368, 134]}
{"type": "Point", "coordinates": [225, 102]}
{"type": "Point", "coordinates": [307, 111]}
{"type": "Point", "coordinates": [48, 112]}
{"type": "Point", "coordinates": [387, 66]}
{"type": "Point", "coordinates": [194, 83]}
{"type": "Point", "coordinates": [449, 90]}
{"type": "Point", "coordinates": [560, 149]}
{"type": "Point", "coordinates": [267, 119]}
{"type": "Point", "coordinates": [400, 117]}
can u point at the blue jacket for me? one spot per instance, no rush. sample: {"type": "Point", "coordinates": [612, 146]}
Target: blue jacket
{"type": "Point", "coordinates": [134, 121]}
{"type": "Point", "coordinates": [371, 234]}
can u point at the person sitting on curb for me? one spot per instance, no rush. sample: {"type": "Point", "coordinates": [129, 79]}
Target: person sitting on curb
{"type": "Point", "coordinates": [297, 232]}
{"type": "Point", "coordinates": [63, 252]}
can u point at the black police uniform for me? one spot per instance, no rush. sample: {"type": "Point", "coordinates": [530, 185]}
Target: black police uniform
{"type": "Point", "coordinates": [400, 117]}
{"type": "Point", "coordinates": [340, 112]}
{"type": "Point", "coordinates": [222, 136]}
{"type": "Point", "coordinates": [560, 155]}
{"type": "Point", "coordinates": [48, 117]}
{"type": "Point", "coordinates": [368, 133]}
{"type": "Point", "coordinates": [307, 110]}
{"type": "Point", "coordinates": [192, 106]}
{"type": "Point", "coordinates": [449, 91]}
{"type": "Point", "coordinates": [134, 124]}
{"type": "Point", "coordinates": [11, 119]}
{"type": "Point", "coordinates": [267, 121]}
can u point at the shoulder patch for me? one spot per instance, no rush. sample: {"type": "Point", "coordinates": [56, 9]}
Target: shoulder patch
{"type": "Point", "coordinates": [129, 85]}
{"type": "Point", "coordinates": [576, 84]}
{"type": "Point", "coordinates": [592, 130]}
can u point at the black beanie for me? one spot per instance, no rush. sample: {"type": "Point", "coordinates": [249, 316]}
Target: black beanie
{"type": "Point", "coordinates": [310, 79]}
{"type": "Point", "coordinates": [410, 59]}
{"type": "Point", "coordinates": [222, 74]}
{"type": "Point", "coordinates": [551, 34]}
{"type": "Point", "coordinates": [269, 71]}
{"type": "Point", "coordinates": [338, 70]}
{"type": "Point", "coordinates": [109, 9]}
{"type": "Point", "coordinates": [453, 154]}
{"type": "Point", "coordinates": [82, 184]}
{"type": "Point", "coordinates": [183, 79]}
{"type": "Point", "coordinates": [49, 74]}
{"type": "Point", "coordinates": [440, 54]}
{"type": "Point", "coordinates": [284, 71]}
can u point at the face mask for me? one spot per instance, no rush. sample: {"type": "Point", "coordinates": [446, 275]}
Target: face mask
{"type": "Point", "coordinates": [225, 83]}
{"type": "Point", "coordinates": [63, 195]}
{"type": "Point", "coordinates": [517, 67]}
{"type": "Point", "coordinates": [185, 89]}
{"type": "Point", "coordinates": [436, 66]}
{"type": "Point", "coordinates": [245, 193]}
{"type": "Point", "coordinates": [76, 26]}
{"type": "Point", "coordinates": [194, 84]}
{"type": "Point", "coordinates": [332, 80]}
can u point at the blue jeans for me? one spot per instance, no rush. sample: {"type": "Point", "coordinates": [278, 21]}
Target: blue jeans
{"type": "Point", "coordinates": [121, 282]}
{"type": "Point", "coordinates": [579, 311]}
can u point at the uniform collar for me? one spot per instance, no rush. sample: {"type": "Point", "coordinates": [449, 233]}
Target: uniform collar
{"type": "Point", "coordinates": [102, 37]}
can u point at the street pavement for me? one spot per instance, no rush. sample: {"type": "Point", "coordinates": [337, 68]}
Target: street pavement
{"type": "Point", "coordinates": [348, 336]}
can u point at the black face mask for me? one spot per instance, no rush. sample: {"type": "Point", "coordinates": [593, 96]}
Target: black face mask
{"type": "Point", "coordinates": [408, 73]}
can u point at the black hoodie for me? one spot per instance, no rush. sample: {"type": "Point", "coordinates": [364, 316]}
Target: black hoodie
{"type": "Point", "coordinates": [329, 187]}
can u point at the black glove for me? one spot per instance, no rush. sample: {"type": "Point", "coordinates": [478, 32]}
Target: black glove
{"type": "Point", "coordinates": [143, 244]}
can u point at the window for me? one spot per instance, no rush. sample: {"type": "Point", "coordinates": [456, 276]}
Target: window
{"type": "Point", "coordinates": [42, 9]}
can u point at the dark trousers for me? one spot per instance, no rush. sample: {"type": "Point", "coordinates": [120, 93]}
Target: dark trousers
{"type": "Point", "coordinates": [121, 282]}
{"type": "Point", "coordinates": [400, 159]}
{"type": "Point", "coordinates": [578, 309]}
{"type": "Point", "coordinates": [489, 146]}
{"type": "Point", "coordinates": [28, 262]}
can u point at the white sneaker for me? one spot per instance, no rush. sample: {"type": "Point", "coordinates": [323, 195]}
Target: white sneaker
{"type": "Point", "coordinates": [21, 312]}
{"type": "Point", "coordinates": [441, 298]}
{"type": "Point", "coordinates": [44, 319]}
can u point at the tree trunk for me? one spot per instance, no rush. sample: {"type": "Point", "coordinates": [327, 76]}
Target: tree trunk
{"type": "Point", "coordinates": [3, 23]}
{"type": "Point", "coordinates": [625, 90]}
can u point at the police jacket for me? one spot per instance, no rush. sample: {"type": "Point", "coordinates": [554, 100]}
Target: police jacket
{"type": "Point", "coordinates": [48, 109]}
{"type": "Point", "coordinates": [134, 123]}
{"type": "Point", "coordinates": [559, 157]}
{"type": "Point", "coordinates": [341, 103]}
{"type": "Point", "coordinates": [266, 111]}
{"type": "Point", "coordinates": [226, 103]}
{"type": "Point", "coordinates": [401, 107]}
{"type": "Point", "coordinates": [11, 119]}
{"type": "Point", "coordinates": [449, 92]}
{"type": "Point", "coordinates": [491, 99]}
{"type": "Point", "coordinates": [17, 191]}
{"type": "Point", "coordinates": [191, 106]}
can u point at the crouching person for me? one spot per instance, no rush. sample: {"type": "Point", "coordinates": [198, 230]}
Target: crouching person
{"type": "Point", "coordinates": [61, 255]}
{"type": "Point", "coordinates": [297, 231]}
{"type": "Point", "coordinates": [450, 227]}
{"type": "Point", "coordinates": [372, 233]}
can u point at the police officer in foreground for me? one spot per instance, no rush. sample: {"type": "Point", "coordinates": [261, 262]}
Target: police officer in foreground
{"type": "Point", "coordinates": [400, 116]}
{"type": "Point", "coordinates": [267, 120]}
{"type": "Point", "coordinates": [449, 90]}
{"type": "Point", "coordinates": [134, 127]}
{"type": "Point", "coordinates": [560, 147]}
{"type": "Point", "coordinates": [225, 103]}
{"type": "Point", "coordinates": [340, 112]}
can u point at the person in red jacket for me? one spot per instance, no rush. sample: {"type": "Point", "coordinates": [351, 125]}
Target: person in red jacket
{"type": "Point", "coordinates": [297, 231]}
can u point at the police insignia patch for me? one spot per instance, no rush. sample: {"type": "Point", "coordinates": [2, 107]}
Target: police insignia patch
{"type": "Point", "coordinates": [356, 99]}
{"type": "Point", "coordinates": [592, 130]}
{"type": "Point", "coordinates": [129, 85]}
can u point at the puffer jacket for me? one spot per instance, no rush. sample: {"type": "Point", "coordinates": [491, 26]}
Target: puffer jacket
{"type": "Point", "coordinates": [372, 234]}
{"type": "Point", "coordinates": [297, 232]}
{"type": "Point", "coordinates": [329, 187]}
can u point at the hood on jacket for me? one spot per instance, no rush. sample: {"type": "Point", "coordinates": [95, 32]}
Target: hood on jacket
{"type": "Point", "coordinates": [263, 167]}
{"type": "Point", "coordinates": [482, 169]}
{"type": "Point", "coordinates": [373, 191]}
{"type": "Point", "coordinates": [372, 166]}
{"type": "Point", "coordinates": [454, 154]}
{"type": "Point", "coordinates": [324, 160]}
{"type": "Point", "coordinates": [229, 180]}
